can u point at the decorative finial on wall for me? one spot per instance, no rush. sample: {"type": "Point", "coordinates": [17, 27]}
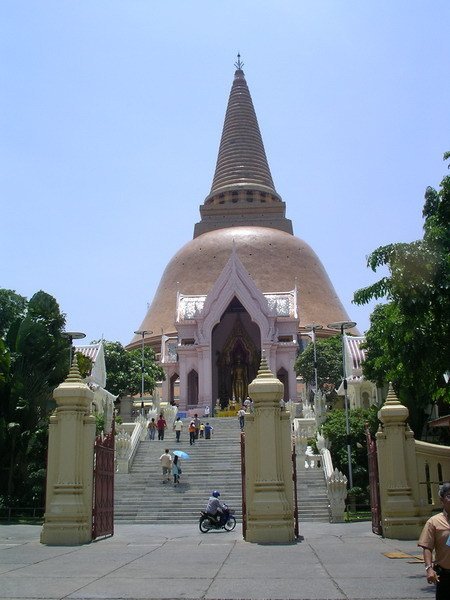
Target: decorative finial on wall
{"type": "Point", "coordinates": [239, 64]}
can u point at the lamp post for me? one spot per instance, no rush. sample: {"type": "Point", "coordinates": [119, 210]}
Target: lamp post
{"type": "Point", "coordinates": [342, 326]}
{"type": "Point", "coordinates": [143, 333]}
{"type": "Point", "coordinates": [311, 329]}
{"type": "Point", "coordinates": [72, 335]}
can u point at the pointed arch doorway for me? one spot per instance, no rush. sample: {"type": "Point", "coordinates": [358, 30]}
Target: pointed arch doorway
{"type": "Point", "coordinates": [236, 354]}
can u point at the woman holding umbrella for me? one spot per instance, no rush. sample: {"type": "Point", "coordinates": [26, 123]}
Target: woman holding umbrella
{"type": "Point", "coordinates": [176, 466]}
{"type": "Point", "coordinates": [176, 470]}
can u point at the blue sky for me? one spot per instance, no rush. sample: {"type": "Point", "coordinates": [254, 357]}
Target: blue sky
{"type": "Point", "coordinates": [111, 114]}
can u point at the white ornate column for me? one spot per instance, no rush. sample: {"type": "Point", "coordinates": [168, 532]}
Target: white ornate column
{"type": "Point", "coordinates": [68, 514]}
{"type": "Point", "coordinates": [204, 375]}
{"type": "Point", "coordinates": [268, 464]}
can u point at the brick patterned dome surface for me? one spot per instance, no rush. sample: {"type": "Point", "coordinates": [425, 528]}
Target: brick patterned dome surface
{"type": "Point", "coordinates": [275, 260]}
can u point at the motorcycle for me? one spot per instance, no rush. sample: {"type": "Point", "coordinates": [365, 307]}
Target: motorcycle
{"type": "Point", "coordinates": [208, 522]}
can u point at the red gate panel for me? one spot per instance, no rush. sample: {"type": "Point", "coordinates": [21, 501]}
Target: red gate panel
{"type": "Point", "coordinates": [374, 484]}
{"type": "Point", "coordinates": [244, 505]}
{"type": "Point", "coordinates": [103, 501]}
{"type": "Point", "coordinates": [294, 479]}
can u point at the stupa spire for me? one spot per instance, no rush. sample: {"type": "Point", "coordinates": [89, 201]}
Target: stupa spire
{"type": "Point", "coordinates": [242, 159]}
{"type": "Point", "coordinates": [242, 185]}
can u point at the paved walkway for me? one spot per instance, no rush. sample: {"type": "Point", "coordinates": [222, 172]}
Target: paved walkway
{"type": "Point", "coordinates": [331, 562]}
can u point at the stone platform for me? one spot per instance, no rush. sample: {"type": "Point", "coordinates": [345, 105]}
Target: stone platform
{"type": "Point", "coordinates": [330, 561]}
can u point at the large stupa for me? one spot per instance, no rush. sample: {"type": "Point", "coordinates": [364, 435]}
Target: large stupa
{"type": "Point", "coordinates": [243, 284]}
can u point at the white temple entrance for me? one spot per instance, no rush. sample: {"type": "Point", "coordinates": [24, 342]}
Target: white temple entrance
{"type": "Point", "coordinates": [220, 337]}
{"type": "Point", "coordinates": [236, 348]}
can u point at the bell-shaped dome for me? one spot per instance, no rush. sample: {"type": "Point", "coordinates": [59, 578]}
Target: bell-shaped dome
{"type": "Point", "coordinates": [276, 261]}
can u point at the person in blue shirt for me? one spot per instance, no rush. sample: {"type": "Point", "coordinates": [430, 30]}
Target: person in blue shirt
{"type": "Point", "coordinates": [208, 431]}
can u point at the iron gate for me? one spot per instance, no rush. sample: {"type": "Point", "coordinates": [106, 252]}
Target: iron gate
{"type": "Point", "coordinates": [374, 484]}
{"type": "Point", "coordinates": [244, 505]}
{"type": "Point", "coordinates": [294, 479]}
{"type": "Point", "coordinates": [103, 500]}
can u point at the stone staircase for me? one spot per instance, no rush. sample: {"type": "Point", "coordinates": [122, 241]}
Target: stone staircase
{"type": "Point", "coordinates": [141, 497]}
{"type": "Point", "coordinates": [311, 494]}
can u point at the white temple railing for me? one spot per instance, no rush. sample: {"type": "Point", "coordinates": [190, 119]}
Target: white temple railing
{"type": "Point", "coordinates": [127, 442]}
{"type": "Point", "coordinates": [336, 487]}
{"type": "Point", "coordinates": [433, 467]}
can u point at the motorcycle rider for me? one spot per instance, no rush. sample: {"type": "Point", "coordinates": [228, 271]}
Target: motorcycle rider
{"type": "Point", "coordinates": [217, 509]}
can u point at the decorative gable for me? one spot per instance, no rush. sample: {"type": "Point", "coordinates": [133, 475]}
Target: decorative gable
{"type": "Point", "coordinates": [234, 281]}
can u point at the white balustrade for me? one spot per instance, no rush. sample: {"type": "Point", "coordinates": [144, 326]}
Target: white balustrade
{"type": "Point", "coordinates": [127, 442]}
{"type": "Point", "coordinates": [312, 461]}
{"type": "Point", "coordinates": [142, 422]}
{"type": "Point", "coordinates": [122, 447]}
{"type": "Point", "coordinates": [336, 487]}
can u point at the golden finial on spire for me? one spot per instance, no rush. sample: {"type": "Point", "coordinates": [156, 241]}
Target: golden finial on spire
{"type": "Point", "coordinates": [239, 64]}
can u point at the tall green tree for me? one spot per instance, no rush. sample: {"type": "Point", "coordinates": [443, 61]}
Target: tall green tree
{"type": "Point", "coordinates": [408, 342]}
{"type": "Point", "coordinates": [124, 369]}
{"type": "Point", "coordinates": [12, 307]}
{"type": "Point", "coordinates": [33, 361]}
{"type": "Point", "coordinates": [329, 364]}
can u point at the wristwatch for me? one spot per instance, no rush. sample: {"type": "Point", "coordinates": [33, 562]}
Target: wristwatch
{"type": "Point", "coordinates": [428, 567]}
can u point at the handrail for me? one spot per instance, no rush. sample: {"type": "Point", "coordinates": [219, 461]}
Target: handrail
{"type": "Point", "coordinates": [327, 462]}
{"type": "Point", "coordinates": [127, 444]}
{"type": "Point", "coordinates": [336, 487]}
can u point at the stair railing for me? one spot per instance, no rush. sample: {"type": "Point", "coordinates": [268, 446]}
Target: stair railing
{"type": "Point", "coordinates": [336, 487]}
{"type": "Point", "coordinates": [127, 442]}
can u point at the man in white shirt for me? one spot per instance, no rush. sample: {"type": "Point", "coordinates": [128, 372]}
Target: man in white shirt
{"type": "Point", "coordinates": [178, 426]}
{"type": "Point", "coordinates": [241, 415]}
{"type": "Point", "coordinates": [166, 464]}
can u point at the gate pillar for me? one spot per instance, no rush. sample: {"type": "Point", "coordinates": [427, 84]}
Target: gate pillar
{"type": "Point", "coordinates": [68, 510]}
{"type": "Point", "coordinates": [401, 515]}
{"type": "Point", "coordinates": [268, 463]}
